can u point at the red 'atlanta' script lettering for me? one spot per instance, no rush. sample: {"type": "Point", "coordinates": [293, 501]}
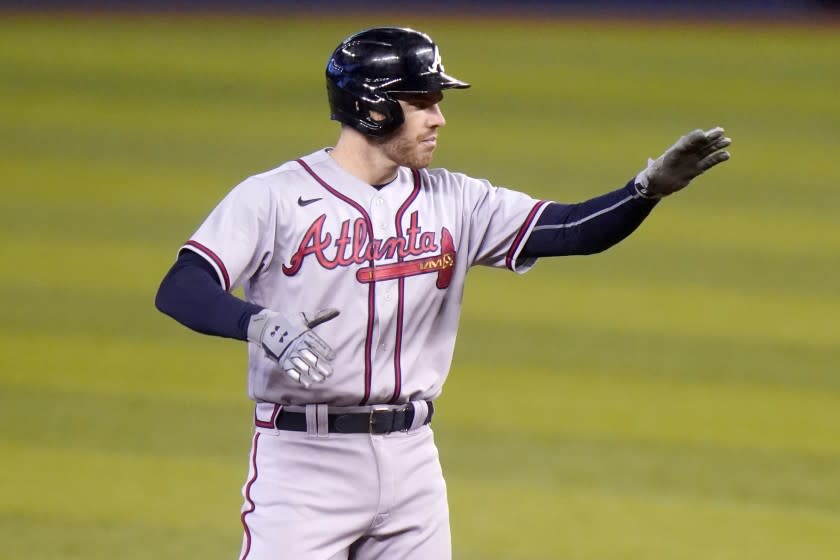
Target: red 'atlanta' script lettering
{"type": "Point", "coordinates": [355, 247]}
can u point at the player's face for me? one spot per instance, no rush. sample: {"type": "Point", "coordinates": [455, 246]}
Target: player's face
{"type": "Point", "coordinates": [414, 143]}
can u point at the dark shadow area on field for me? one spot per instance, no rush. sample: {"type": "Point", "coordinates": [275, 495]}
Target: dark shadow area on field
{"type": "Point", "coordinates": [637, 8]}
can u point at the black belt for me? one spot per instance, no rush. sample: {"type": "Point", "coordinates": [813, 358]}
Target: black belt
{"type": "Point", "coordinates": [371, 422]}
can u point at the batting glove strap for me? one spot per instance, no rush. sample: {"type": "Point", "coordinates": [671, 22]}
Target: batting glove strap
{"type": "Point", "coordinates": [275, 332]}
{"type": "Point", "coordinates": [643, 186]}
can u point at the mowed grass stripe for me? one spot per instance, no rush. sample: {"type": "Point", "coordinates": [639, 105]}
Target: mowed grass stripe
{"type": "Point", "coordinates": [190, 365]}
{"type": "Point", "coordinates": [715, 314]}
{"type": "Point", "coordinates": [624, 525]}
{"type": "Point", "coordinates": [163, 491]}
{"type": "Point", "coordinates": [742, 478]}
{"type": "Point", "coordinates": [134, 267]}
{"type": "Point", "coordinates": [164, 426]}
{"type": "Point", "coordinates": [648, 408]}
{"type": "Point", "coordinates": [666, 309]}
{"type": "Point", "coordinates": [180, 115]}
{"type": "Point", "coordinates": [603, 157]}
{"type": "Point", "coordinates": [494, 346]}
{"type": "Point", "coordinates": [597, 402]}
{"type": "Point", "coordinates": [106, 186]}
{"type": "Point", "coordinates": [40, 88]}
{"type": "Point", "coordinates": [813, 233]}
{"type": "Point", "coordinates": [577, 441]}
{"type": "Point", "coordinates": [38, 536]}
{"type": "Point", "coordinates": [167, 363]}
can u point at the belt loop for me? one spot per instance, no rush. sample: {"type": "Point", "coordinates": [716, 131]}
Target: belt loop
{"type": "Point", "coordinates": [421, 411]}
{"type": "Point", "coordinates": [322, 420]}
{"type": "Point", "coordinates": [317, 422]}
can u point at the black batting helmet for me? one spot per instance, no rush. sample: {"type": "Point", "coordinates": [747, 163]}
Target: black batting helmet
{"type": "Point", "coordinates": [367, 67]}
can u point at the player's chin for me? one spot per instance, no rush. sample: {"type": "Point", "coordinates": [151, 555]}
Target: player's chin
{"type": "Point", "coordinates": [423, 157]}
{"type": "Point", "coordinates": [424, 162]}
{"type": "Point", "coordinates": [416, 161]}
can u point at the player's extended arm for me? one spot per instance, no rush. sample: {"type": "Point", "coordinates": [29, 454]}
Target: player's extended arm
{"type": "Point", "coordinates": [587, 227]}
{"type": "Point", "coordinates": [599, 223]}
{"type": "Point", "coordinates": [191, 294]}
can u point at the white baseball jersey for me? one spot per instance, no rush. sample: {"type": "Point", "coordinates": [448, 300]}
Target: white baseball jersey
{"type": "Point", "coordinates": [308, 235]}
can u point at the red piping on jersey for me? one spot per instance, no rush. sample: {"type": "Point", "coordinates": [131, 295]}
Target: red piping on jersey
{"type": "Point", "coordinates": [401, 291]}
{"type": "Point", "coordinates": [215, 258]}
{"type": "Point", "coordinates": [371, 286]}
{"type": "Point", "coordinates": [520, 236]}
{"type": "Point", "coordinates": [252, 506]}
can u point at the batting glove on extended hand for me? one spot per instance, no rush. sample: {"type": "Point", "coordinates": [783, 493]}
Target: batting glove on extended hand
{"type": "Point", "coordinates": [290, 341]}
{"type": "Point", "coordinates": [693, 154]}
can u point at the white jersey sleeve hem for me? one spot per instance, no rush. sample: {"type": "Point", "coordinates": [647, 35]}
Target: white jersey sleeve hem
{"type": "Point", "coordinates": [512, 261]}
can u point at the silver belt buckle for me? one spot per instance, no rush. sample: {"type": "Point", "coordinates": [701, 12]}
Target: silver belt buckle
{"type": "Point", "coordinates": [372, 416]}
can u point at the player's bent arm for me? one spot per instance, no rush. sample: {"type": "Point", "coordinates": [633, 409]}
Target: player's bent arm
{"type": "Point", "coordinates": [191, 294]}
{"type": "Point", "coordinates": [587, 227]}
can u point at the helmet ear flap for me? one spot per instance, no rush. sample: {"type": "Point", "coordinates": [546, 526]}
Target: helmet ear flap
{"type": "Point", "coordinates": [382, 114]}
{"type": "Point", "coordinates": [356, 109]}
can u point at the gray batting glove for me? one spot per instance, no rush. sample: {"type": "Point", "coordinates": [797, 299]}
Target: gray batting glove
{"type": "Point", "coordinates": [693, 154]}
{"type": "Point", "coordinates": [290, 341]}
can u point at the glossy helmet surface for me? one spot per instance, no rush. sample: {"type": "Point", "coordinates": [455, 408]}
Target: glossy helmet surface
{"type": "Point", "coordinates": [366, 68]}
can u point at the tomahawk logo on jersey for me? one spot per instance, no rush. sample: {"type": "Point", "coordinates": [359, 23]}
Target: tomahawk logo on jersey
{"type": "Point", "coordinates": [360, 248]}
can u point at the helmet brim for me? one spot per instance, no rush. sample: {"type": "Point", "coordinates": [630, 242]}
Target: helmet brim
{"type": "Point", "coordinates": [448, 82]}
{"type": "Point", "coordinates": [427, 83]}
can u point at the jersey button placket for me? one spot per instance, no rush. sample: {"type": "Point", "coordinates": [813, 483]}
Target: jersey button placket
{"type": "Point", "coordinates": [378, 210]}
{"type": "Point", "coordinates": [382, 216]}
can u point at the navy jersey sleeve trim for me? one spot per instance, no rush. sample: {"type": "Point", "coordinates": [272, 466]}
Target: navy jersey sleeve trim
{"type": "Point", "coordinates": [191, 294]}
{"type": "Point", "coordinates": [587, 227]}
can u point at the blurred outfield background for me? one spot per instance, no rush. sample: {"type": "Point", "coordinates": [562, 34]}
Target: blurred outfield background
{"type": "Point", "coordinates": [675, 398]}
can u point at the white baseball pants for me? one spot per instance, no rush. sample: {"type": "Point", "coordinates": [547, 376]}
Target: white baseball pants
{"type": "Point", "coordinates": [312, 496]}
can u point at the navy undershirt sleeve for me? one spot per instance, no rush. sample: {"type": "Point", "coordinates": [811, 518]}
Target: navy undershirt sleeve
{"type": "Point", "coordinates": [191, 294]}
{"type": "Point", "coordinates": [587, 227]}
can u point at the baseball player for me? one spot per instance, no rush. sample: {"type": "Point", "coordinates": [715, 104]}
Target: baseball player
{"type": "Point", "coordinates": [353, 260]}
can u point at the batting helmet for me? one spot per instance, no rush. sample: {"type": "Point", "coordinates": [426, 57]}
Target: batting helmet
{"type": "Point", "coordinates": [367, 67]}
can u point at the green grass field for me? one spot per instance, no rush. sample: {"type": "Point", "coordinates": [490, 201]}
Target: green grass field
{"type": "Point", "coordinates": [677, 397]}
